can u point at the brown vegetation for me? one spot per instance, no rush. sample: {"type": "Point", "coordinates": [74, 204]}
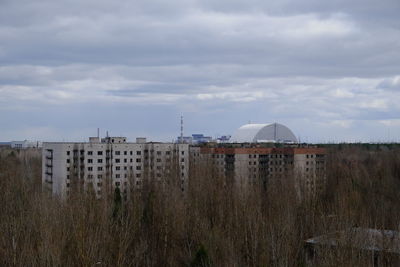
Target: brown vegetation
{"type": "Point", "coordinates": [211, 224]}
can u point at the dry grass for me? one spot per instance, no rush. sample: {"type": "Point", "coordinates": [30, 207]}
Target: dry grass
{"type": "Point", "coordinates": [213, 224]}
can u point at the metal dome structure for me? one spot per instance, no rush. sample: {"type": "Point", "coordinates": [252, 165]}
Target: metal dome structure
{"type": "Point", "coordinates": [263, 133]}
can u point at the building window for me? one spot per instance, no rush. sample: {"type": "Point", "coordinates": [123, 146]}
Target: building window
{"type": "Point", "coordinates": [137, 175]}
{"type": "Point", "coordinates": [117, 176]}
{"type": "Point", "coordinates": [117, 168]}
{"type": "Point", "coordinates": [168, 153]}
{"type": "Point", "coordinates": [125, 168]}
{"type": "Point", "coordinates": [131, 160]}
{"type": "Point", "coordinates": [99, 168]}
{"type": "Point", "coordinates": [182, 160]}
{"type": "Point", "coordinates": [159, 153]}
{"type": "Point", "coordinates": [183, 153]}
{"type": "Point", "coordinates": [138, 160]}
{"type": "Point", "coordinates": [117, 184]}
{"type": "Point", "coordinates": [90, 176]}
{"type": "Point", "coordinates": [98, 184]}
{"type": "Point", "coordinates": [67, 169]}
{"type": "Point", "coordinates": [125, 160]}
{"type": "Point", "coordinates": [90, 168]}
{"type": "Point", "coordinates": [158, 160]}
{"type": "Point", "coordinates": [67, 184]}
{"type": "Point", "coordinates": [138, 153]}
{"type": "Point", "coordinates": [90, 160]}
{"type": "Point", "coordinates": [68, 152]}
{"type": "Point", "coordinates": [99, 153]}
{"type": "Point", "coordinates": [68, 160]}
{"type": "Point", "coordinates": [125, 152]}
{"type": "Point", "coordinates": [99, 176]}
{"type": "Point", "coordinates": [131, 153]}
{"type": "Point", "coordinates": [90, 153]}
{"type": "Point", "coordinates": [138, 168]}
{"type": "Point", "coordinates": [117, 160]}
{"type": "Point", "coordinates": [67, 176]}
{"type": "Point", "coordinates": [118, 153]}
{"type": "Point", "coordinates": [99, 161]}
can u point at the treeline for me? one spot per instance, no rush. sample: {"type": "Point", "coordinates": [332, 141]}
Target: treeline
{"type": "Point", "coordinates": [212, 223]}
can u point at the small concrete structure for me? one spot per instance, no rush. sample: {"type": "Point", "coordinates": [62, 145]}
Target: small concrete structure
{"type": "Point", "coordinates": [372, 246]}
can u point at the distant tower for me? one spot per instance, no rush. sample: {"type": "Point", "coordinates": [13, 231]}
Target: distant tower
{"type": "Point", "coordinates": [181, 129]}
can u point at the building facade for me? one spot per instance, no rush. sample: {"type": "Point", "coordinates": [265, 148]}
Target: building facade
{"type": "Point", "coordinates": [266, 165]}
{"type": "Point", "coordinates": [101, 165]}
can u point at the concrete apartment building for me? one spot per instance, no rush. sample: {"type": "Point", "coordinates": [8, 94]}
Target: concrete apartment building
{"type": "Point", "coordinates": [266, 165]}
{"type": "Point", "coordinates": [104, 164]}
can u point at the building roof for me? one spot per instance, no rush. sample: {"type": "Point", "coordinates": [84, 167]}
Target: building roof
{"type": "Point", "coordinates": [361, 238]}
{"type": "Point", "coordinates": [261, 133]}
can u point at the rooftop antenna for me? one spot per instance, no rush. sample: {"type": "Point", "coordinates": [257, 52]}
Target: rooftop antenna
{"type": "Point", "coordinates": [181, 129]}
{"type": "Point", "coordinates": [107, 134]}
{"type": "Point", "coordinates": [98, 132]}
{"type": "Point", "coordinates": [275, 131]}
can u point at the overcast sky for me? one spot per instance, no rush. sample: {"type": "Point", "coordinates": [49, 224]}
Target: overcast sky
{"type": "Point", "coordinates": [329, 70]}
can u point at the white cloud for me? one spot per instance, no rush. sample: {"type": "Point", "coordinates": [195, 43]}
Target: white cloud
{"type": "Point", "coordinates": [391, 122]}
{"type": "Point", "coordinates": [342, 93]}
{"type": "Point", "coordinates": [375, 104]}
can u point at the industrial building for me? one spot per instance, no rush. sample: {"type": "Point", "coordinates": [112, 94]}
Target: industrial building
{"type": "Point", "coordinates": [263, 133]}
{"type": "Point", "coordinates": [195, 139]}
{"type": "Point", "coordinates": [104, 164]}
{"type": "Point", "coordinates": [25, 144]}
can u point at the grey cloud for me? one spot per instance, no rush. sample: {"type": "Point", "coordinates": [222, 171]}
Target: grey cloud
{"type": "Point", "coordinates": [330, 64]}
{"type": "Point", "coordinates": [390, 84]}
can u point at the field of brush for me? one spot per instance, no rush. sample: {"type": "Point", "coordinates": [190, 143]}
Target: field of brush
{"type": "Point", "coordinates": [212, 224]}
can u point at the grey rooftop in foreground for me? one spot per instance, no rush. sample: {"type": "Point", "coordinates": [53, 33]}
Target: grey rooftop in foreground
{"type": "Point", "coordinates": [263, 133]}
{"type": "Point", "coordinates": [365, 239]}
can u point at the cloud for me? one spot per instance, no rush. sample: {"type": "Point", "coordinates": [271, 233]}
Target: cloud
{"type": "Point", "coordinates": [333, 66]}
{"type": "Point", "coordinates": [392, 83]}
